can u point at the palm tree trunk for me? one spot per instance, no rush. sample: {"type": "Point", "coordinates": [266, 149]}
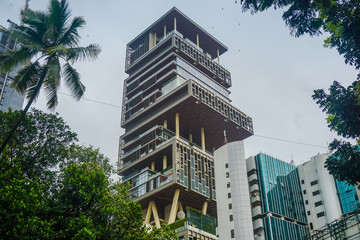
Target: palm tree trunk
{"type": "Point", "coordinates": [23, 114]}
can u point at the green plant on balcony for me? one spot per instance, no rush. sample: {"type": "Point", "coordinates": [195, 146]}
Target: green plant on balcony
{"type": "Point", "coordinates": [177, 224]}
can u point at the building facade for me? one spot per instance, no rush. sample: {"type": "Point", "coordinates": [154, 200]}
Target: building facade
{"type": "Point", "coordinates": [9, 97]}
{"type": "Point", "coordinates": [277, 206]}
{"type": "Point", "coordinates": [175, 109]}
{"type": "Point", "coordinates": [325, 198]}
{"type": "Point", "coordinates": [233, 200]}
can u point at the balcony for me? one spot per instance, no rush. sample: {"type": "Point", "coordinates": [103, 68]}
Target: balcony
{"type": "Point", "coordinates": [138, 146]}
{"type": "Point", "coordinates": [148, 181]}
{"type": "Point", "coordinates": [203, 61]}
{"type": "Point", "coordinates": [186, 49]}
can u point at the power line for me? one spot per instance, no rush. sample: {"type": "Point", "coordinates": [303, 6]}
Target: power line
{"type": "Point", "coordinates": [91, 100]}
{"type": "Point", "coordinates": [272, 138]}
{"type": "Point", "coordinates": [289, 141]}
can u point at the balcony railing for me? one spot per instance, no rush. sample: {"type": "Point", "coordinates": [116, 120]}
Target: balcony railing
{"type": "Point", "coordinates": [143, 144]}
{"type": "Point", "coordinates": [151, 182]}
{"type": "Point", "coordinates": [220, 74]}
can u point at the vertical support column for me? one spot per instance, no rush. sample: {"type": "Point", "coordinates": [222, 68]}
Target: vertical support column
{"type": "Point", "coordinates": [203, 139]}
{"type": "Point", "coordinates": [165, 124]}
{"type": "Point", "coordinates": [175, 24]}
{"type": "Point", "coordinates": [218, 56]}
{"type": "Point", "coordinates": [174, 206]}
{"type": "Point", "coordinates": [213, 150]}
{"type": "Point", "coordinates": [164, 162]}
{"type": "Point", "coordinates": [190, 138]}
{"type": "Point", "coordinates": [164, 31]}
{"type": "Point", "coordinates": [177, 123]}
{"type": "Point", "coordinates": [153, 166]}
{"type": "Point", "coordinates": [197, 40]}
{"type": "Point", "coordinates": [204, 208]}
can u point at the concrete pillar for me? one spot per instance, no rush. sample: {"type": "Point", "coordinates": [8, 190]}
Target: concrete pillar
{"type": "Point", "coordinates": [203, 139]}
{"type": "Point", "coordinates": [218, 56]}
{"type": "Point", "coordinates": [197, 40]}
{"type": "Point", "coordinates": [174, 206]}
{"type": "Point", "coordinates": [164, 162]}
{"type": "Point", "coordinates": [190, 138]}
{"type": "Point", "coordinates": [175, 24]}
{"type": "Point", "coordinates": [177, 123]}
{"type": "Point", "coordinates": [213, 149]}
{"type": "Point", "coordinates": [165, 124]}
{"type": "Point", "coordinates": [153, 166]}
{"type": "Point", "coordinates": [155, 214]}
{"type": "Point", "coordinates": [164, 31]}
{"type": "Point", "coordinates": [204, 208]}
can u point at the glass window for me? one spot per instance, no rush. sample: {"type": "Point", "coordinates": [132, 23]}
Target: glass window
{"type": "Point", "coordinates": [306, 202]}
{"type": "Point", "coordinates": [230, 205]}
{"type": "Point", "coordinates": [232, 233]}
{"type": "Point", "coordinates": [304, 191]}
{"type": "Point", "coordinates": [320, 214]}
{"type": "Point", "coordinates": [231, 218]}
{"type": "Point", "coordinates": [226, 165]}
{"type": "Point", "coordinates": [319, 203]}
{"type": "Point", "coordinates": [228, 185]}
{"type": "Point", "coordinates": [229, 195]}
{"type": "Point", "coordinates": [314, 183]}
{"type": "Point", "coordinates": [227, 174]}
{"type": "Point", "coordinates": [317, 192]}
{"type": "Point", "coordinates": [308, 213]}
{"type": "Point", "coordinates": [302, 181]}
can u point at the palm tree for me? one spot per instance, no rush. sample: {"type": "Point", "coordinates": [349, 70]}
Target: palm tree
{"type": "Point", "coordinates": [48, 46]}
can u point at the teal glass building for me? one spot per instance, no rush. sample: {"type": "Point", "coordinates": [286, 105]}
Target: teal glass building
{"type": "Point", "coordinates": [348, 198]}
{"type": "Point", "coordinates": [281, 199]}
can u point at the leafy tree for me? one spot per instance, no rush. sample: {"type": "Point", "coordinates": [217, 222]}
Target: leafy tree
{"type": "Point", "coordinates": [51, 188]}
{"type": "Point", "coordinates": [343, 110]}
{"type": "Point", "coordinates": [49, 40]}
{"type": "Point", "coordinates": [341, 20]}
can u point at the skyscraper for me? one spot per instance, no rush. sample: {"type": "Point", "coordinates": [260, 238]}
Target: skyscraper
{"type": "Point", "coordinates": [176, 108]}
{"type": "Point", "coordinates": [9, 97]}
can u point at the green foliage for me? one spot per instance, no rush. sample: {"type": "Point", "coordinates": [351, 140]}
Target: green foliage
{"type": "Point", "coordinates": [177, 224]}
{"type": "Point", "coordinates": [51, 188]}
{"type": "Point", "coordinates": [343, 110]}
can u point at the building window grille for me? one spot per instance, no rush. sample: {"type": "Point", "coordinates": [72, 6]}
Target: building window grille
{"type": "Point", "coordinates": [226, 165]}
{"type": "Point", "coordinates": [304, 191]}
{"type": "Point", "coordinates": [228, 185]}
{"type": "Point", "coordinates": [232, 233]}
{"type": "Point", "coordinates": [311, 226]}
{"type": "Point", "coordinates": [317, 192]}
{"type": "Point", "coordinates": [314, 183]}
{"type": "Point", "coordinates": [227, 174]}
{"type": "Point", "coordinates": [306, 202]}
{"type": "Point", "coordinates": [229, 195]}
{"type": "Point", "coordinates": [308, 213]}
{"type": "Point", "coordinates": [230, 205]}
{"type": "Point", "coordinates": [302, 182]}
{"type": "Point", "coordinates": [231, 218]}
{"type": "Point", "coordinates": [319, 203]}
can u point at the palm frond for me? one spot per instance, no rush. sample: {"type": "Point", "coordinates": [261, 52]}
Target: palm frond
{"type": "Point", "coordinates": [35, 20]}
{"type": "Point", "coordinates": [71, 35]}
{"type": "Point", "coordinates": [59, 14]}
{"type": "Point", "coordinates": [11, 59]}
{"type": "Point", "coordinates": [72, 81]}
{"type": "Point", "coordinates": [25, 36]}
{"type": "Point", "coordinates": [52, 81]}
{"type": "Point", "coordinates": [25, 77]}
{"type": "Point", "coordinates": [83, 53]}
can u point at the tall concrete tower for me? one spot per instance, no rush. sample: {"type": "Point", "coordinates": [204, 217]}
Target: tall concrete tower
{"type": "Point", "coordinates": [176, 108]}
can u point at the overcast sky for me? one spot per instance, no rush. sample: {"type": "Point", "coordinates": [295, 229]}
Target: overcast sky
{"type": "Point", "coordinates": [273, 73]}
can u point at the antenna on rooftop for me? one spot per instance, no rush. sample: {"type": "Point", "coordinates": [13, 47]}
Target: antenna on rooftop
{"type": "Point", "coordinates": [25, 8]}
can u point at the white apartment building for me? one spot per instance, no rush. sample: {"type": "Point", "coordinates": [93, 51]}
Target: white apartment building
{"type": "Point", "coordinates": [233, 201]}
